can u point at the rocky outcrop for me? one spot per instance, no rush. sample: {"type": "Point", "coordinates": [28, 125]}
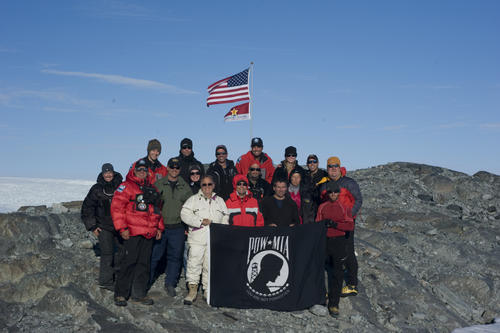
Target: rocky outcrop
{"type": "Point", "coordinates": [427, 239]}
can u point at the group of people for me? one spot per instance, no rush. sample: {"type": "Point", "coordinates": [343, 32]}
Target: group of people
{"type": "Point", "coordinates": [158, 219]}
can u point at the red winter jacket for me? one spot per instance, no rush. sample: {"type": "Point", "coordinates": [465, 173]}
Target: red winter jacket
{"type": "Point", "coordinates": [336, 212]}
{"type": "Point", "coordinates": [156, 170]}
{"type": "Point", "coordinates": [125, 214]}
{"type": "Point", "coordinates": [267, 167]}
{"type": "Point", "coordinates": [243, 211]}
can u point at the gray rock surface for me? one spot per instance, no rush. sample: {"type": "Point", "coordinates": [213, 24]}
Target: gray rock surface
{"type": "Point", "coordinates": [427, 239]}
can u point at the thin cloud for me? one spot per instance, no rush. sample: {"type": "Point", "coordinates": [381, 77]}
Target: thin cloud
{"type": "Point", "coordinates": [342, 91]}
{"type": "Point", "coordinates": [7, 50]}
{"type": "Point", "coordinates": [442, 87]}
{"type": "Point", "coordinates": [394, 128]}
{"type": "Point", "coordinates": [61, 110]}
{"type": "Point", "coordinates": [123, 80]}
{"type": "Point", "coordinates": [53, 96]}
{"type": "Point", "coordinates": [490, 125]}
{"type": "Point", "coordinates": [453, 125]}
{"type": "Point", "coordinates": [348, 127]}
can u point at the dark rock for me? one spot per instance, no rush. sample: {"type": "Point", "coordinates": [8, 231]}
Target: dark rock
{"type": "Point", "coordinates": [455, 208]}
{"type": "Point", "coordinates": [425, 197]}
{"type": "Point", "coordinates": [492, 209]}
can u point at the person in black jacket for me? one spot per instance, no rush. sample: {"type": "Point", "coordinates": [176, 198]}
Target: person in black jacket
{"type": "Point", "coordinates": [302, 194]}
{"type": "Point", "coordinates": [290, 163]}
{"type": "Point", "coordinates": [259, 187]}
{"type": "Point", "coordinates": [96, 216]}
{"type": "Point", "coordinates": [223, 171]}
{"type": "Point", "coordinates": [279, 210]}
{"type": "Point", "coordinates": [314, 174]}
{"type": "Point", "coordinates": [187, 159]}
{"type": "Point", "coordinates": [194, 179]}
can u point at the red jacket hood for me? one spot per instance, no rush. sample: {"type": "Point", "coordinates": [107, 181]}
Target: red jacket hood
{"type": "Point", "coordinates": [239, 178]}
{"type": "Point", "coordinates": [133, 178]}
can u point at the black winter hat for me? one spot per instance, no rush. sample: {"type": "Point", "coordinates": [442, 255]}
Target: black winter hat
{"type": "Point", "coordinates": [220, 147]}
{"type": "Point", "coordinates": [187, 142]}
{"type": "Point", "coordinates": [154, 144]}
{"type": "Point", "coordinates": [256, 142]}
{"type": "Point", "coordinates": [107, 167]}
{"type": "Point", "coordinates": [332, 187]}
{"type": "Point", "coordinates": [290, 150]}
{"type": "Point", "coordinates": [174, 161]}
{"type": "Point", "coordinates": [141, 163]}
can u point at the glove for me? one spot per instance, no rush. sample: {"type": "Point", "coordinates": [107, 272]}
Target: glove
{"type": "Point", "coordinates": [330, 223]}
{"type": "Point", "coordinates": [151, 196]}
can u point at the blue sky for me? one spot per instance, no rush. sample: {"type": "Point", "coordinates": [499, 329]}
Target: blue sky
{"type": "Point", "coordinates": [88, 82]}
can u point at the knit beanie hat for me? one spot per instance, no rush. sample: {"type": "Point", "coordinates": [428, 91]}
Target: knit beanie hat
{"type": "Point", "coordinates": [187, 142]}
{"type": "Point", "coordinates": [290, 150]}
{"type": "Point", "coordinates": [221, 147]}
{"type": "Point", "coordinates": [333, 160]}
{"type": "Point", "coordinates": [107, 167]}
{"type": "Point", "coordinates": [154, 144]}
{"type": "Point", "coordinates": [333, 187]}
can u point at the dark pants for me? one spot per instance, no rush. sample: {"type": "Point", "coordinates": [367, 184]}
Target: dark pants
{"type": "Point", "coordinates": [133, 275]}
{"type": "Point", "coordinates": [111, 246]}
{"type": "Point", "coordinates": [335, 256]}
{"type": "Point", "coordinates": [351, 263]}
{"type": "Point", "coordinates": [172, 241]}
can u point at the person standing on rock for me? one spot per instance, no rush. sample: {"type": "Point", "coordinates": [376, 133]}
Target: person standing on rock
{"type": "Point", "coordinates": [96, 215]}
{"type": "Point", "coordinates": [279, 210]}
{"type": "Point", "coordinates": [223, 171]}
{"type": "Point", "coordinates": [198, 212]}
{"type": "Point", "coordinates": [255, 155]}
{"type": "Point", "coordinates": [242, 206]}
{"type": "Point", "coordinates": [259, 187]}
{"type": "Point", "coordinates": [314, 174]}
{"type": "Point", "coordinates": [187, 159]}
{"type": "Point", "coordinates": [174, 192]}
{"type": "Point", "coordinates": [286, 166]}
{"type": "Point", "coordinates": [350, 196]}
{"type": "Point", "coordinates": [135, 210]}
{"type": "Point", "coordinates": [338, 220]}
{"type": "Point", "coordinates": [156, 170]}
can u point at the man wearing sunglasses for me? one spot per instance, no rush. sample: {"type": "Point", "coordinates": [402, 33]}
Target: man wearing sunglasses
{"type": "Point", "coordinates": [187, 159]}
{"type": "Point", "coordinates": [256, 155]}
{"type": "Point", "coordinates": [223, 171]}
{"type": "Point", "coordinates": [350, 196]}
{"type": "Point", "coordinates": [314, 174]}
{"type": "Point", "coordinates": [174, 191]}
{"type": "Point", "coordinates": [243, 208]}
{"type": "Point", "coordinates": [257, 185]}
{"type": "Point", "coordinates": [136, 216]}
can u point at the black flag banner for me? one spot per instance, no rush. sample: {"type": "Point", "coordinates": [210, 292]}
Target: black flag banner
{"type": "Point", "coordinates": [278, 268]}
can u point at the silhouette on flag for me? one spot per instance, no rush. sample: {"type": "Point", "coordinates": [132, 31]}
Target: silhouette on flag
{"type": "Point", "coordinates": [229, 90]}
{"type": "Point", "coordinates": [239, 112]}
{"type": "Point", "coordinates": [278, 268]}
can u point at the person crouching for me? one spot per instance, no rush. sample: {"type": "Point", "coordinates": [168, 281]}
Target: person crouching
{"type": "Point", "coordinates": [338, 220]}
{"type": "Point", "coordinates": [136, 215]}
{"type": "Point", "coordinates": [198, 212]}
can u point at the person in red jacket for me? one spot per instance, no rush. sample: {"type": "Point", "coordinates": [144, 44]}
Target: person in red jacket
{"type": "Point", "coordinates": [156, 170]}
{"type": "Point", "coordinates": [243, 208]}
{"type": "Point", "coordinates": [255, 155]}
{"type": "Point", "coordinates": [339, 220]}
{"type": "Point", "coordinates": [135, 211]}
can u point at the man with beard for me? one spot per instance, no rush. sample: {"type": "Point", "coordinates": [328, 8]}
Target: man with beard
{"type": "Point", "coordinates": [96, 216]}
{"type": "Point", "coordinates": [257, 185]}
{"type": "Point", "coordinates": [223, 171]}
{"type": "Point", "coordinates": [255, 155]}
{"type": "Point", "coordinates": [187, 159]}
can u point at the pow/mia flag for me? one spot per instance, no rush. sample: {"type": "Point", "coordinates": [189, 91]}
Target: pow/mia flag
{"type": "Point", "coordinates": [278, 268]}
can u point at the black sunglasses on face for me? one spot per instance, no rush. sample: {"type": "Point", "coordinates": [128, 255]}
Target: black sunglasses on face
{"type": "Point", "coordinates": [333, 165]}
{"type": "Point", "coordinates": [254, 169]}
{"type": "Point", "coordinates": [312, 161]}
{"type": "Point", "coordinates": [241, 184]}
{"type": "Point", "coordinates": [186, 147]}
{"type": "Point", "coordinates": [206, 184]}
{"type": "Point", "coordinates": [142, 169]}
{"type": "Point", "coordinates": [220, 153]}
{"type": "Point", "coordinates": [175, 167]}
{"type": "Point", "coordinates": [194, 173]}
{"type": "Point", "coordinates": [291, 155]}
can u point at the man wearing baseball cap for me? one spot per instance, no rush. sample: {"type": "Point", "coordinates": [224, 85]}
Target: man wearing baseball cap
{"type": "Point", "coordinates": [350, 196]}
{"type": "Point", "coordinates": [256, 155]}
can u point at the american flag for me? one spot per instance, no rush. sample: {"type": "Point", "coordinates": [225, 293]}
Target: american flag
{"type": "Point", "coordinates": [229, 90]}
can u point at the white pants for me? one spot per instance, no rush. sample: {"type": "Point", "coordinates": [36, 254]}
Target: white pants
{"type": "Point", "coordinates": [197, 264]}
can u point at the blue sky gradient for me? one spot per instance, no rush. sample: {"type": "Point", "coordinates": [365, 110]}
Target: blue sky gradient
{"type": "Point", "coordinates": [88, 82]}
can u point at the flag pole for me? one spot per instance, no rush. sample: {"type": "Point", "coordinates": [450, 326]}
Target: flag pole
{"type": "Point", "coordinates": [250, 77]}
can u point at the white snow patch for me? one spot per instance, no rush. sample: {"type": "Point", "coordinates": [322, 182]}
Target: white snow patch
{"type": "Point", "coordinates": [490, 328]}
{"type": "Point", "coordinates": [17, 191]}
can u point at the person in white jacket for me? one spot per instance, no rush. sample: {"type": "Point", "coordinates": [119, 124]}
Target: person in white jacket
{"type": "Point", "coordinates": [198, 212]}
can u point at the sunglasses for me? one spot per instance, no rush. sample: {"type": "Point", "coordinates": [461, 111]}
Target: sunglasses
{"type": "Point", "coordinates": [241, 184]}
{"type": "Point", "coordinates": [194, 173]}
{"type": "Point", "coordinates": [312, 161]}
{"type": "Point", "coordinates": [333, 165]}
{"type": "Point", "coordinates": [220, 153]}
{"type": "Point", "coordinates": [141, 169]}
{"type": "Point", "coordinates": [207, 184]}
{"type": "Point", "coordinates": [186, 147]}
{"type": "Point", "coordinates": [175, 167]}
{"type": "Point", "coordinates": [254, 169]}
{"type": "Point", "coordinates": [291, 155]}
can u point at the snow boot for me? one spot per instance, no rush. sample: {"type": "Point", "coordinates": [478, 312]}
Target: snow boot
{"type": "Point", "coordinates": [191, 296]}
